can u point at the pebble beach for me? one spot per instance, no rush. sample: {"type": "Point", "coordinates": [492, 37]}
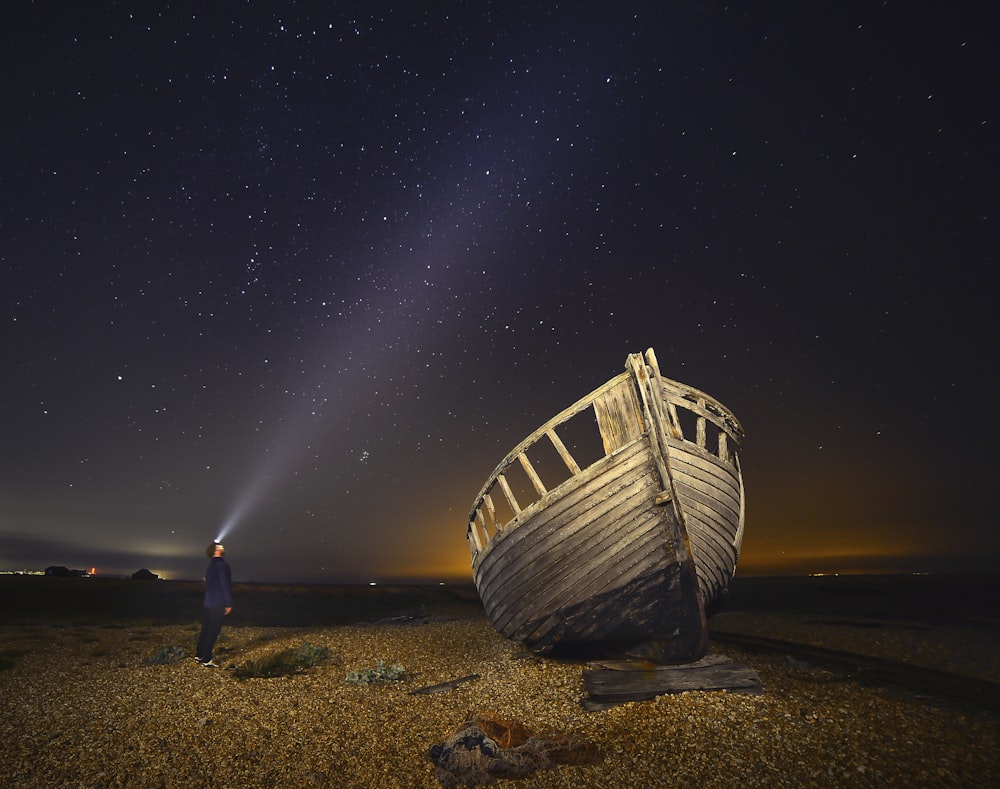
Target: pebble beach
{"type": "Point", "coordinates": [81, 705]}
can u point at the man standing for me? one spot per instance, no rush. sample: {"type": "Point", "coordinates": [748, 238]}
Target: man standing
{"type": "Point", "coordinates": [218, 603]}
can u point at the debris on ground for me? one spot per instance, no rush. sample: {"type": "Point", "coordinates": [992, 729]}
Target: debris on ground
{"type": "Point", "coordinates": [487, 748]}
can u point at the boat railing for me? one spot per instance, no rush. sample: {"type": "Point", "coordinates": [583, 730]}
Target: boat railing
{"type": "Point", "coordinates": [693, 416]}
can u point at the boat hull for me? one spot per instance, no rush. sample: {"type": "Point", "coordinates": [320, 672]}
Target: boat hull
{"type": "Point", "coordinates": [630, 551]}
{"type": "Point", "coordinates": [604, 566]}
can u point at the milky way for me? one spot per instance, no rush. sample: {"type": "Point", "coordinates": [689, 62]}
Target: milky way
{"type": "Point", "coordinates": [312, 271]}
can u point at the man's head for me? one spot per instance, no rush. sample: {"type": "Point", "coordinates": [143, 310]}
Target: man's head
{"type": "Point", "coordinates": [215, 548]}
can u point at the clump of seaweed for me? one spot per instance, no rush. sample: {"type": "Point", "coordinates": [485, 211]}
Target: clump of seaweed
{"type": "Point", "coordinates": [280, 664]}
{"type": "Point", "coordinates": [380, 673]}
{"type": "Point", "coordinates": [309, 655]}
{"type": "Point", "coordinates": [166, 655]}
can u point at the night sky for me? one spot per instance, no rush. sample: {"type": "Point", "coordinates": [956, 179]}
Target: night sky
{"type": "Point", "coordinates": [314, 268]}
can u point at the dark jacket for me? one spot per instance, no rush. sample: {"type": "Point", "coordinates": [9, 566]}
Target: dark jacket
{"type": "Point", "coordinates": [218, 584]}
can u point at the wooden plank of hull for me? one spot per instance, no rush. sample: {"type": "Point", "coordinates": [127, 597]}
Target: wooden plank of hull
{"type": "Point", "coordinates": [564, 537]}
{"type": "Point", "coordinates": [565, 565]}
{"type": "Point", "coordinates": [596, 561]}
{"type": "Point", "coordinates": [714, 571]}
{"type": "Point", "coordinates": [652, 618]}
{"type": "Point", "coordinates": [631, 567]}
{"type": "Point", "coordinates": [585, 525]}
{"type": "Point", "coordinates": [715, 483]}
{"type": "Point", "coordinates": [710, 492]}
{"type": "Point", "coordinates": [594, 487]}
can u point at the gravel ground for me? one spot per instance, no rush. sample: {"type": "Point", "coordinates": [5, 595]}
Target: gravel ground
{"type": "Point", "coordinates": [961, 648]}
{"type": "Point", "coordinates": [80, 707]}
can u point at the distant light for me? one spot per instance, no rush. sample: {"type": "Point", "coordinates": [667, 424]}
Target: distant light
{"type": "Point", "coordinates": [372, 583]}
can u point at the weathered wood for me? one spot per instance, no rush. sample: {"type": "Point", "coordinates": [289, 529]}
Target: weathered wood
{"type": "Point", "coordinates": [570, 561]}
{"type": "Point", "coordinates": [652, 435]}
{"type": "Point", "coordinates": [618, 416]}
{"type": "Point", "coordinates": [647, 665]}
{"type": "Point", "coordinates": [628, 549]}
{"type": "Point", "coordinates": [698, 403]}
{"type": "Point", "coordinates": [666, 411]}
{"type": "Point", "coordinates": [724, 455]}
{"type": "Point", "coordinates": [568, 459]}
{"type": "Point", "coordinates": [623, 681]}
{"type": "Point", "coordinates": [475, 535]}
{"type": "Point", "coordinates": [508, 493]}
{"type": "Point", "coordinates": [492, 512]}
{"type": "Point", "coordinates": [674, 421]}
{"type": "Point", "coordinates": [560, 418]}
{"type": "Point", "coordinates": [443, 687]}
{"type": "Point", "coordinates": [536, 481]}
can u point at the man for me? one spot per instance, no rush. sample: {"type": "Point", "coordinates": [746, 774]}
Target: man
{"type": "Point", "coordinates": [218, 603]}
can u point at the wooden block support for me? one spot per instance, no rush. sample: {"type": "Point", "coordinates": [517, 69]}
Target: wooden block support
{"type": "Point", "coordinates": [622, 681]}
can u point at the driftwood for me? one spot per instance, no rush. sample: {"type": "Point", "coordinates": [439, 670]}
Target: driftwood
{"type": "Point", "coordinates": [616, 682]}
{"type": "Point", "coordinates": [443, 687]}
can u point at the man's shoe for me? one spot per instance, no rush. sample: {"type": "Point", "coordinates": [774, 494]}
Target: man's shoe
{"type": "Point", "coordinates": [209, 664]}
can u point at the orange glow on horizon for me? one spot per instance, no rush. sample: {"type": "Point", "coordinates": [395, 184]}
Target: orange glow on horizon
{"type": "Point", "coordinates": [427, 574]}
{"type": "Point", "coordinates": [856, 562]}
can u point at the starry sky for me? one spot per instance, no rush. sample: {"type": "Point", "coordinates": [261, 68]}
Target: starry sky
{"type": "Point", "coordinates": [307, 271]}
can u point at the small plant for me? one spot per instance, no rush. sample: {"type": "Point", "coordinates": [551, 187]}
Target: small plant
{"type": "Point", "coordinates": [265, 667]}
{"type": "Point", "coordinates": [381, 673]}
{"type": "Point", "coordinates": [166, 655]}
{"type": "Point", "coordinates": [308, 655]}
{"type": "Point", "coordinates": [288, 661]}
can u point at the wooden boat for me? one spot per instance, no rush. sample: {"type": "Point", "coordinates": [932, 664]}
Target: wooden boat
{"type": "Point", "coordinates": [628, 546]}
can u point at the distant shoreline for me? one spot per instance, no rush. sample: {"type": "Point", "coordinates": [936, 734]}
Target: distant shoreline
{"type": "Point", "coordinates": [47, 599]}
{"type": "Point", "coordinates": [39, 599]}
